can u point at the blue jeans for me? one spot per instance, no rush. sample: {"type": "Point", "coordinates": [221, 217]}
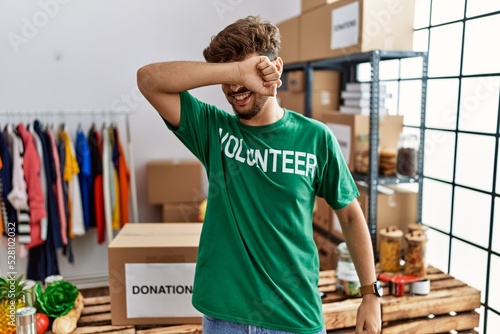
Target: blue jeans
{"type": "Point", "coordinates": [216, 326]}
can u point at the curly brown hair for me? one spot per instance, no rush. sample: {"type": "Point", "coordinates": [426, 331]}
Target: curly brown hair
{"type": "Point", "coordinates": [242, 38]}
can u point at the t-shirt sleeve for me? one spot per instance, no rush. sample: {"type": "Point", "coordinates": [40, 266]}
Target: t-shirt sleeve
{"type": "Point", "coordinates": [197, 118]}
{"type": "Point", "coordinates": [336, 185]}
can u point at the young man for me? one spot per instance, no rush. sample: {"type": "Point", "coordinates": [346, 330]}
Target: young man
{"type": "Point", "coordinates": [257, 268]}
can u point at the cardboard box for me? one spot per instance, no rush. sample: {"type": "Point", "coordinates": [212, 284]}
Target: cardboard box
{"type": "Point", "coordinates": [325, 92]}
{"type": "Point", "coordinates": [323, 214]}
{"type": "Point", "coordinates": [399, 209]}
{"type": "Point", "coordinates": [322, 101]}
{"type": "Point", "coordinates": [289, 31]}
{"type": "Point", "coordinates": [323, 220]}
{"type": "Point", "coordinates": [350, 26]}
{"type": "Point", "coordinates": [295, 81]}
{"type": "Point", "coordinates": [321, 80]}
{"type": "Point", "coordinates": [174, 181]}
{"type": "Point", "coordinates": [292, 101]}
{"type": "Point", "coordinates": [327, 252]}
{"type": "Point", "coordinates": [181, 212]}
{"type": "Point", "coordinates": [151, 274]}
{"type": "Point", "coordinates": [307, 5]}
{"type": "Point", "coordinates": [347, 128]}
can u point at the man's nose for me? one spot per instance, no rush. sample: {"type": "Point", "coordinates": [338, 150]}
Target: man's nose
{"type": "Point", "coordinates": [235, 88]}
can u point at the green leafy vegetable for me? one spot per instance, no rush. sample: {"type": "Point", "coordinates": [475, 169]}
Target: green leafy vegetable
{"type": "Point", "coordinates": [57, 299]}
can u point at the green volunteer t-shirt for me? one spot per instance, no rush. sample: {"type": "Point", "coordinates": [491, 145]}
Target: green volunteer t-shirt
{"type": "Point", "coordinates": [257, 261]}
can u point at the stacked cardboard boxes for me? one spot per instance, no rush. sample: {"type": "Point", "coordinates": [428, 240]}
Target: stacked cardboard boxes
{"type": "Point", "coordinates": [325, 91]}
{"type": "Point", "coordinates": [177, 186]}
{"type": "Point", "coordinates": [330, 28]}
{"type": "Point", "coordinates": [325, 234]}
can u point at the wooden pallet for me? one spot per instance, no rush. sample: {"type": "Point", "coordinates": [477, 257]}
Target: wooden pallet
{"type": "Point", "coordinates": [96, 319]}
{"type": "Point", "coordinates": [450, 306]}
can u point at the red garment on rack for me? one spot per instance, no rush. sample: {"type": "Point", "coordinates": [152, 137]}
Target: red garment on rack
{"type": "Point", "coordinates": [124, 181]}
{"type": "Point", "coordinates": [36, 200]}
{"type": "Point", "coordinates": [95, 141]}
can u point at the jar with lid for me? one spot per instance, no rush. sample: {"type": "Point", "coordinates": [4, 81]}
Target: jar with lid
{"type": "Point", "coordinates": [52, 278]}
{"type": "Point", "coordinates": [407, 156]}
{"type": "Point", "coordinates": [347, 277]}
{"type": "Point", "coordinates": [391, 244]}
{"type": "Point", "coordinates": [417, 227]}
{"type": "Point", "coordinates": [362, 155]}
{"type": "Point", "coordinates": [415, 254]}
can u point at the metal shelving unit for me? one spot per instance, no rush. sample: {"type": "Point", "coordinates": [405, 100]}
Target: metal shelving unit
{"type": "Point", "coordinates": [347, 64]}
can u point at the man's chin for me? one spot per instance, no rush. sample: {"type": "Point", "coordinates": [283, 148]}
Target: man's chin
{"type": "Point", "coordinates": [245, 114]}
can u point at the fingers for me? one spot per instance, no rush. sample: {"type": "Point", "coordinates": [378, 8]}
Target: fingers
{"type": "Point", "coordinates": [269, 72]}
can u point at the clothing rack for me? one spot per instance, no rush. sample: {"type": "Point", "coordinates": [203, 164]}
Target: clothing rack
{"type": "Point", "coordinates": [43, 114]}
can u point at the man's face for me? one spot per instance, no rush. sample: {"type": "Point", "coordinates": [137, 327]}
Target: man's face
{"type": "Point", "coordinates": [246, 104]}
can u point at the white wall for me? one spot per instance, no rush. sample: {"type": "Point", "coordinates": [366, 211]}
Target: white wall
{"type": "Point", "coordinates": [68, 55]}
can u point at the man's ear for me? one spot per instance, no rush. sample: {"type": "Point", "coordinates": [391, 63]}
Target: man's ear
{"type": "Point", "coordinates": [279, 64]}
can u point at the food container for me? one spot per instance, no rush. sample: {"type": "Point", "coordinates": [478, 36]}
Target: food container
{"type": "Point", "coordinates": [415, 254]}
{"type": "Point", "coordinates": [29, 295]}
{"type": "Point", "coordinates": [52, 278]}
{"type": "Point", "coordinates": [417, 227]}
{"type": "Point", "coordinates": [26, 320]}
{"type": "Point", "coordinates": [391, 244]}
{"type": "Point", "coordinates": [347, 277]}
{"type": "Point", "coordinates": [407, 156]}
{"type": "Point", "coordinates": [387, 160]}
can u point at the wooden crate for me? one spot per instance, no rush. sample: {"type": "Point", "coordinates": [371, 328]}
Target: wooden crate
{"type": "Point", "coordinates": [450, 306]}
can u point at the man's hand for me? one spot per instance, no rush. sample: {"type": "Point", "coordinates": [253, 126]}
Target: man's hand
{"type": "Point", "coordinates": [369, 317]}
{"type": "Point", "coordinates": [260, 75]}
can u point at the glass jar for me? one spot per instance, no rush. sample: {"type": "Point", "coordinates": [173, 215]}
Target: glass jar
{"type": "Point", "coordinates": [407, 156]}
{"type": "Point", "coordinates": [417, 227]}
{"type": "Point", "coordinates": [347, 277]}
{"type": "Point", "coordinates": [415, 253]}
{"type": "Point", "coordinates": [391, 244]}
{"type": "Point", "coordinates": [362, 155]}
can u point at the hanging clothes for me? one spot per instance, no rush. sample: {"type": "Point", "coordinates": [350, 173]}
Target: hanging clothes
{"type": "Point", "coordinates": [43, 179]}
{"type": "Point", "coordinates": [68, 248]}
{"type": "Point", "coordinates": [57, 187]}
{"type": "Point", "coordinates": [9, 215]}
{"type": "Point", "coordinates": [75, 222]}
{"type": "Point", "coordinates": [18, 196]}
{"type": "Point", "coordinates": [83, 158]}
{"type": "Point", "coordinates": [50, 177]}
{"type": "Point", "coordinates": [123, 180]}
{"type": "Point", "coordinates": [97, 205]}
{"type": "Point", "coordinates": [36, 200]}
{"type": "Point", "coordinates": [106, 175]}
{"type": "Point", "coordinates": [114, 184]}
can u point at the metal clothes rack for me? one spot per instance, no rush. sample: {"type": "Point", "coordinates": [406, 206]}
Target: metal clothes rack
{"type": "Point", "coordinates": [62, 114]}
